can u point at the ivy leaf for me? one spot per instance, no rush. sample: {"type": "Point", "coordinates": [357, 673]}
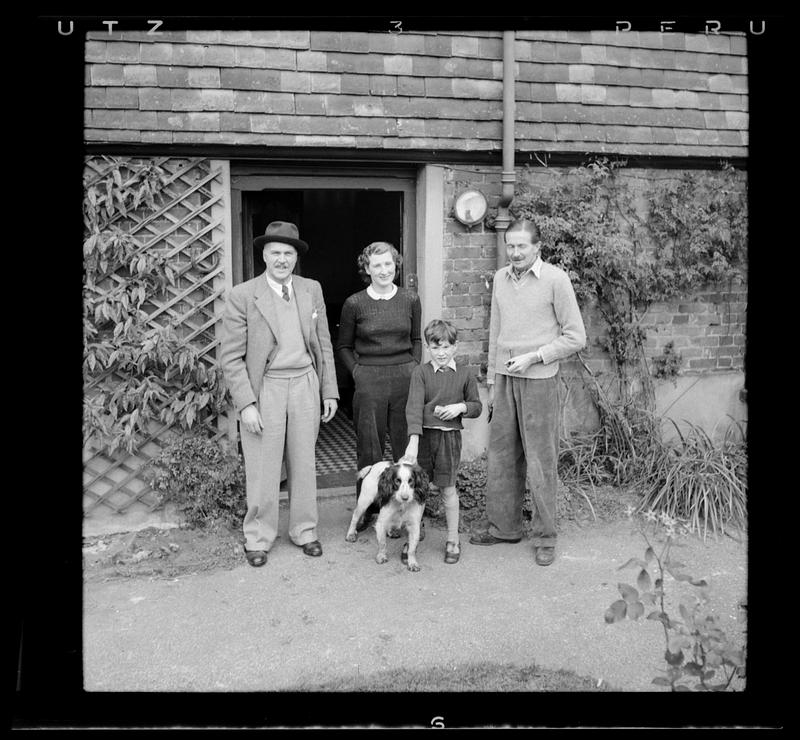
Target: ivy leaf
{"type": "Point", "coordinates": [616, 611]}
{"type": "Point", "coordinates": [643, 581]}
{"type": "Point", "coordinates": [674, 659]}
{"type": "Point", "coordinates": [649, 554]}
{"type": "Point", "coordinates": [662, 617]}
{"type": "Point", "coordinates": [661, 681]}
{"type": "Point", "coordinates": [635, 610]}
{"type": "Point", "coordinates": [678, 642]}
{"type": "Point", "coordinates": [633, 561]}
{"type": "Point", "coordinates": [693, 669]}
{"type": "Point", "coordinates": [629, 593]}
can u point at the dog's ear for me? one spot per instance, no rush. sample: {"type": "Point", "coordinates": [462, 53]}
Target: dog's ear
{"type": "Point", "coordinates": [421, 483]}
{"type": "Point", "coordinates": [386, 485]}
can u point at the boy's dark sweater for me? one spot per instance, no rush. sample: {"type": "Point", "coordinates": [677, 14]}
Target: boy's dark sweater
{"type": "Point", "coordinates": [380, 332]}
{"type": "Point", "coordinates": [429, 389]}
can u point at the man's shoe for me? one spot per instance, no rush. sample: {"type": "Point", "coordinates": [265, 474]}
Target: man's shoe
{"type": "Point", "coordinates": [486, 538]}
{"type": "Point", "coordinates": [314, 549]}
{"type": "Point", "coordinates": [545, 555]}
{"type": "Point", "coordinates": [256, 558]}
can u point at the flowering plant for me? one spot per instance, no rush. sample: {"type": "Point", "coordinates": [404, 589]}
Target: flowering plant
{"type": "Point", "coordinates": [697, 650]}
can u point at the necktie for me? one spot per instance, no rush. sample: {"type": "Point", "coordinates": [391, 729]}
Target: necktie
{"type": "Point", "coordinates": [285, 292]}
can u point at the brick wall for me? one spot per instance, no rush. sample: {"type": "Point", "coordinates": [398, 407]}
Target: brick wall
{"type": "Point", "coordinates": [707, 328]}
{"type": "Point", "coordinates": [642, 93]}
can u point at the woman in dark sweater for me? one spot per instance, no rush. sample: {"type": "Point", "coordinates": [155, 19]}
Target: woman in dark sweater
{"type": "Point", "coordinates": [380, 343]}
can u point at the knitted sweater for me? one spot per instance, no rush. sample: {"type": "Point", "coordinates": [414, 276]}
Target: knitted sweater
{"type": "Point", "coordinates": [380, 332]}
{"type": "Point", "coordinates": [429, 389]}
{"type": "Point", "coordinates": [538, 313]}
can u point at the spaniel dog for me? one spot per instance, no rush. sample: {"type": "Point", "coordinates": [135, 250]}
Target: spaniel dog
{"type": "Point", "coordinates": [399, 489]}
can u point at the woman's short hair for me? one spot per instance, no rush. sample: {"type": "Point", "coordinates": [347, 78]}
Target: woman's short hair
{"type": "Point", "coordinates": [524, 224]}
{"type": "Point", "coordinates": [376, 248]}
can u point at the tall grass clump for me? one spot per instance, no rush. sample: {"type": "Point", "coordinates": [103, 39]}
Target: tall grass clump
{"type": "Point", "coordinates": [698, 482]}
{"type": "Point", "coordinates": [694, 480]}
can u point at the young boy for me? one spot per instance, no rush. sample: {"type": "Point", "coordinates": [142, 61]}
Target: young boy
{"type": "Point", "coordinates": [440, 393]}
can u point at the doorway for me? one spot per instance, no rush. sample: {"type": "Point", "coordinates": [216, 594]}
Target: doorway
{"type": "Point", "coordinates": [337, 215]}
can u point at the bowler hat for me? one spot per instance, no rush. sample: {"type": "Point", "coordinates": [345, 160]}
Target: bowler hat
{"type": "Point", "coordinates": [284, 232]}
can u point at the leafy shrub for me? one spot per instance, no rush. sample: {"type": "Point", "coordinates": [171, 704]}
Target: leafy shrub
{"type": "Point", "coordinates": [667, 365]}
{"type": "Point", "coordinates": [203, 478]}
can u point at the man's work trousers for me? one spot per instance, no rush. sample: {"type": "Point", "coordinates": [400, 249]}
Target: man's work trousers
{"type": "Point", "coordinates": [523, 441]}
{"type": "Point", "coordinates": [379, 403]}
{"type": "Point", "coordinates": [290, 410]}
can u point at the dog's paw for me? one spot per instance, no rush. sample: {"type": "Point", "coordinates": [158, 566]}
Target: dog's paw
{"type": "Point", "coordinates": [381, 558]}
{"type": "Point", "coordinates": [351, 537]}
{"type": "Point", "coordinates": [413, 567]}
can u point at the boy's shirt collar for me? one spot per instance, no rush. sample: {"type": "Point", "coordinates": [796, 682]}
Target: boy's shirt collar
{"type": "Point", "coordinates": [437, 367]}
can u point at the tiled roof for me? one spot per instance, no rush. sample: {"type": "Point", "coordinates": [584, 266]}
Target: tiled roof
{"type": "Point", "coordinates": [603, 91]}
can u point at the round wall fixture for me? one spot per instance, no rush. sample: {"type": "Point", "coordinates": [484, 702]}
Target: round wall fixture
{"type": "Point", "coordinates": [470, 207]}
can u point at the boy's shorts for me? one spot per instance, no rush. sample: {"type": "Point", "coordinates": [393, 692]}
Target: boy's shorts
{"type": "Point", "coordinates": [439, 455]}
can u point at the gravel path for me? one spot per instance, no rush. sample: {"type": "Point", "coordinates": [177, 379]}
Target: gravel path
{"type": "Point", "coordinates": [302, 620]}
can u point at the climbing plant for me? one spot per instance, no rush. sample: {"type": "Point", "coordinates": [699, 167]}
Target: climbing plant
{"type": "Point", "coordinates": [135, 372]}
{"type": "Point", "coordinates": [690, 232]}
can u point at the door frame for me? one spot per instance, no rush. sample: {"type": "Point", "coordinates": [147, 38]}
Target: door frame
{"type": "Point", "coordinates": [255, 177]}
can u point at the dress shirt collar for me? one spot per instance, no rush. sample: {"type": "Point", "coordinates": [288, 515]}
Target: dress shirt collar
{"type": "Point", "coordinates": [535, 268]}
{"type": "Point", "coordinates": [278, 287]}
{"type": "Point", "coordinates": [381, 296]}
{"type": "Point", "coordinates": [437, 368]}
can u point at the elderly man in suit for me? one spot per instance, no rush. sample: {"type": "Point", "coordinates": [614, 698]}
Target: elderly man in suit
{"type": "Point", "coordinates": [277, 359]}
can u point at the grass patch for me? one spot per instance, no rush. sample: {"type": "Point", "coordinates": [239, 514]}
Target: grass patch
{"type": "Point", "coordinates": [464, 677]}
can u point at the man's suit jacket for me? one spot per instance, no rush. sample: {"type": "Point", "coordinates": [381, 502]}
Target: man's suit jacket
{"type": "Point", "coordinates": [250, 336]}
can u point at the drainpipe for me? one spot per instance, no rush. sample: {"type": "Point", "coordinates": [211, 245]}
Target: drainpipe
{"type": "Point", "coordinates": [508, 177]}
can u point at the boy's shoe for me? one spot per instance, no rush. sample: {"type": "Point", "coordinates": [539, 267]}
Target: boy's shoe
{"type": "Point", "coordinates": [452, 552]}
{"type": "Point", "coordinates": [544, 555]}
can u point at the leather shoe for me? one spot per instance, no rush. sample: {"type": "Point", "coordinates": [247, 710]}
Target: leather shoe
{"type": "Point", "coordinates": [256, 558]}
{"type": "Point", "coordinates": [545, 555]}
{"type": "Point", "coordinates": [313, 548]}
{"type": "Point", "coordinates": [486, 538]}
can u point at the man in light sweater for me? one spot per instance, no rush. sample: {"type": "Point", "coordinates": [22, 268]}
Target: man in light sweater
{"type": "Point", "coordinates": [535, 322]}
{"type": "Point", "coordinates": [277, 358]}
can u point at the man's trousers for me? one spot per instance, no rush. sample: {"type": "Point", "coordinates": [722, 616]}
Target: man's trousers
{"type": "Point", "coordinates": [523, 442]}
{"type": "Point", "coordinates": [290, 410]}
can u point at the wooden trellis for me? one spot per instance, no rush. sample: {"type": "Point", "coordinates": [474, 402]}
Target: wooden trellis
{"type": "Point", "coordinates": [190, 227]}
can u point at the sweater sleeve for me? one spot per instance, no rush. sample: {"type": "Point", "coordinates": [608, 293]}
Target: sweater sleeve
{"type": "Point", "coordinates": [416, 401]}
{"type": "Point", "coordinates": [416, 329]}
{"type": "Point", "coordinates": [345, 342]}
{"type": "Point", "coordinates": [494, 328]}
{"type": "Point", "coordinates": [471, 397]}
{"type": "Point", "coordinates": [568, 315]}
